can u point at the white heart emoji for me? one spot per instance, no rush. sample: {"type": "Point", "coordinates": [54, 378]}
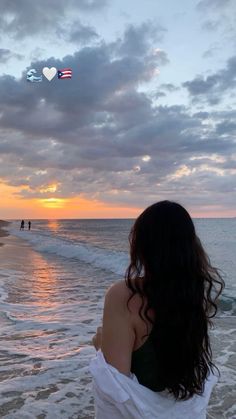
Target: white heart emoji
{"type": "Point", "coordinates": [49, 73]}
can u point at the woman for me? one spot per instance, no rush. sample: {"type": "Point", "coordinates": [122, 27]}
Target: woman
{"type": "Point", "coordinates": [156, 322]}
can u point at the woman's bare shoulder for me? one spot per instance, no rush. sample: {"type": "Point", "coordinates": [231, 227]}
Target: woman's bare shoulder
{"type": "Point", "coordinates": [120, 293]}
{"type": "Point", "coordinates": [117, 298]}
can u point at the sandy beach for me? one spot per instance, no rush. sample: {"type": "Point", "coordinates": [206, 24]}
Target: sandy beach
{"type": "Point", "coordinates": [50, 308]}
{"type": "Point", "coordinates": [3, 233]}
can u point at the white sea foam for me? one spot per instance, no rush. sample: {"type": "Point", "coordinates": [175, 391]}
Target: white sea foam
{"type": "Point", "coordinates": [112, 260]}
{"type": "Point", "coordinates": [45, 342]}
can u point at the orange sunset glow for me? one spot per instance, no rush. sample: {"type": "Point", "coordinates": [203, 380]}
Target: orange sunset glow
{"type": "Point", "coordinates": [15, 207]}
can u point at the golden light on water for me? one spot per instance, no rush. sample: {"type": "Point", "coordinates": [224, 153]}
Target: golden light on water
{"type": "Point", "coordinates": [44, 288]}
{"type": "Point", "coordinates": [53, 225]}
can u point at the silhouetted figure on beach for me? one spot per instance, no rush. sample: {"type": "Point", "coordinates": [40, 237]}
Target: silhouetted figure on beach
{"type": "Point", "coordinates": [29, 224]}
{"type": "Point", "coordinates": [22, 225]}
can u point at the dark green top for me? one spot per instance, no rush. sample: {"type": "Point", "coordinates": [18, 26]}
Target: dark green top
{"type": "Point", "coordinates": [144, 365]}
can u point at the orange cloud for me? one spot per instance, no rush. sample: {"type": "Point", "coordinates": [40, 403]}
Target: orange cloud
{"type": "Point", "coordinates": [15, 207]}
{"type": "Point", "coordinates": [50, 188]}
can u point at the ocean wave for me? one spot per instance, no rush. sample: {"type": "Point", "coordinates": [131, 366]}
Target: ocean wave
{"type": "Point", "coordinates": [114, 261]}
{"type": "Point", "coordinates": [111, 260]}
{"type": "Point", "coordinates": [227, 305]}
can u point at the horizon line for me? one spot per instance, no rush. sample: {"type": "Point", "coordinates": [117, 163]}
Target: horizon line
{"type": "Point", "coordinates": [103, 218]}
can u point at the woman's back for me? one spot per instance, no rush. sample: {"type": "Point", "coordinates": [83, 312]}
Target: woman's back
{"type": "Point", "coordinates": [181, 286]}
{"type": "Point", "coordinates": [140, 395]}
{"type": "Point", "coordinates": [156, 322]}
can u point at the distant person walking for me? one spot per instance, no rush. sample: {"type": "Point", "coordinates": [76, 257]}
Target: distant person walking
{"type": "Point", "coordinates": [22, 225]}
{"type": "Point", "coordinates": [29, 224]}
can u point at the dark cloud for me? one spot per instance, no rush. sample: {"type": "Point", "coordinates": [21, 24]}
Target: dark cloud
{"type": "Point", "coordinates": [77, 33]}
{"type": "Point", "coordinates": [7, 54]}
{"type": "Point", "coordinates": [99, 72]}
{"type": "Point", "coordinates": [137, 39]}
{"type": "Point", "coordinates": [169, 87]}
{"type": "Point", "coordinates": [159, 94]}
{"type": "Point", "coordinates": [32, 17]}
{"type": "Point", "coordinates": [98, 135]}
{"type": "Point", "coordinates": [219, 15]}
{"type": "Point", "coordinates": [183, 158]}
{"type": "Point", "coordinates": [203, 5]}
{"type": "Point", "coordinates": [226, 127]}
{"type": "Point", "coordinates": [200, 86]}
{"type": "Point", "coordinates": [210, 52]}
{"type": "Point", "coordinates": [212, 88]}
{"type": "Point", "coordinates": [81, 34]}
{"type": "Point", "coordinates": [211, 25]}
{"type": "Point", "coordinates": [201, 115]}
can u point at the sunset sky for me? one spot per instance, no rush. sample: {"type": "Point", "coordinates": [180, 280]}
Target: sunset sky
{"type": "Point", "coordinates": [149, 114]}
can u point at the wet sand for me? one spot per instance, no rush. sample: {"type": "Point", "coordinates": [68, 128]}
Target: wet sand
{"type": "Point", "coordinates": [3, 233]}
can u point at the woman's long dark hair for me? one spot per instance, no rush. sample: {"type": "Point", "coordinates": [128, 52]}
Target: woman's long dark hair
{"type": "Point", "coordinates": [171, 271]}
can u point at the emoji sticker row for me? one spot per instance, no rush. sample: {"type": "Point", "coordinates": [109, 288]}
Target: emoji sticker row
{"type": "Point", "coordinates": [49, 74]}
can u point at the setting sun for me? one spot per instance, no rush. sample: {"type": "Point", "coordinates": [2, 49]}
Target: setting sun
{"type": "Point", "coordinates": [53, 202]}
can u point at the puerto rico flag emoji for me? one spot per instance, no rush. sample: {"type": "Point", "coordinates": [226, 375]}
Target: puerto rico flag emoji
{"type": "Point", "coordinates": [66, 73]}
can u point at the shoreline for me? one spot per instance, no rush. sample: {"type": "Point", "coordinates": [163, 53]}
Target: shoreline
{"type": "Point", "coordinates": [3, 233]}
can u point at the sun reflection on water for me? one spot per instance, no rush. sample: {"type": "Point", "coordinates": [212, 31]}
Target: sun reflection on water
{"type": "Point", "coordinates": [45, 287]}
{"type": "Point", "coordinates": [53, 225]}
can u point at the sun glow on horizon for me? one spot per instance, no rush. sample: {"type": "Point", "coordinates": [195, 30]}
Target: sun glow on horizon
{"type": "Point", "coordinates": [53, 202]}
{"type": "Point", "coordinates": [14, 206]}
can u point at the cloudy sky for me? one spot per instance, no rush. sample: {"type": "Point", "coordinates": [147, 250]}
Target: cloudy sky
{"type": "Point", "coordinates": [149, 114]}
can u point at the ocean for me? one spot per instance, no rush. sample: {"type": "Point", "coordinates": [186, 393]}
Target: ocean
{"type": "Point", "coordinates": [52, 285]}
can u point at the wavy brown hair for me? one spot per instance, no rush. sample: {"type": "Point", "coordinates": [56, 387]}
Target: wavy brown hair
{"type": "Point", "coordinates": [172, 273]}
